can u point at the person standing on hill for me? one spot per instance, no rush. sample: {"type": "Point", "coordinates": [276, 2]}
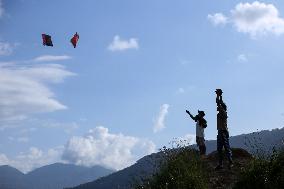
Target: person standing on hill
{"type": "Point", "coordinates": [223, 133]}
{"type": "Point", "coordinates": [201, 123]}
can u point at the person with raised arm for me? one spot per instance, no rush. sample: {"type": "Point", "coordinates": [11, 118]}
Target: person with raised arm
{"type": "Point", "coordinates": [201, 123]}
{"type": "Point", "coordinates": [223, 133]}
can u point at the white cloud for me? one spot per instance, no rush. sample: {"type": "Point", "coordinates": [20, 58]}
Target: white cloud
{"type": "Point", "coordinates": [160, 120]}
{"type": "Point", "coordinates": [119, 44]}
{"type": "Point", "coordinates": [99, 147]}
{"type": "Point", "coordinates": [257, 19]}
{"type": "Point", "coordinates": [5, 48]}
{"type": "Point", "coordinates": [4, 160]}
{"type": "Point", "coordinates": [34, 158]}
{"type": "Point", "coordinates": [218, 19]}
{"type": "Point", "coordinates": [242, 58]}
{"type": "Point", "coordinates": [49, 58]}
{"type": "Point", "coordinates": [180, 90]}
{"type": "Point", "coordinates": [1, 9]}
{"type": "Point", "coordinates": [24, 90]}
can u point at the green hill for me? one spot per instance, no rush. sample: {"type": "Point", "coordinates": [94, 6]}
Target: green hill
{"type": "Point", "coordinates": [185, 169]}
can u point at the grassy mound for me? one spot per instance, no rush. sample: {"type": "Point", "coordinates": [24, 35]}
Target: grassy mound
{"type": "Point", "coordinates": [182, 169]}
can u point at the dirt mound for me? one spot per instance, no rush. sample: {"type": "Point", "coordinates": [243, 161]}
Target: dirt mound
{"type": "Point", "coordinates": [238, 153]}
{"type": "Point", "coordinates": [225, 178]}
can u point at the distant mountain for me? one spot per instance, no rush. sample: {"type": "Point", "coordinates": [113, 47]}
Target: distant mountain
{"type": "Point", "coordinates": [256, 142]}
{"type": "Point", "coordinates": [54, 176]}
{"type": "Point", "coordinates": [10, 178]}
{"type": "Point", "coordinates": [146, 166]}
{"type": "Point", "coordinates": [127, 177]}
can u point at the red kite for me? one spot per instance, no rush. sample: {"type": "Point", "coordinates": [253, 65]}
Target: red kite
{"type": "Point", "coordinates": [74, 40]}
{"type": "Point", "coordinates": [46, 40]}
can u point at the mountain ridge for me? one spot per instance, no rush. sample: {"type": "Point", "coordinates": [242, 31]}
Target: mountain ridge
{"type": "Point", "coordinates": [53, 176]}
{"type": "Point", "coordinates": [145, 167]}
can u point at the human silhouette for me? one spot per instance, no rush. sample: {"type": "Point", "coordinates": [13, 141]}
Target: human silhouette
{"type": "Point", "coordinates": [223, 133]}
{"type": "Point", "coordinates": [201, 123]}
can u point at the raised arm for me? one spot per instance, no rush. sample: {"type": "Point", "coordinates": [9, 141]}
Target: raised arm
{"type": "Point", "coordinates": [192, 117]}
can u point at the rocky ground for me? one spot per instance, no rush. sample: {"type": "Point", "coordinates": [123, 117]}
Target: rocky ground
{"type": "Point", "coordinates": [225, 178]}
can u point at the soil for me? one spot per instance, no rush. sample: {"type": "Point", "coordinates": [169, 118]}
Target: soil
{"type": "Point", "coordinates": [226, 178]}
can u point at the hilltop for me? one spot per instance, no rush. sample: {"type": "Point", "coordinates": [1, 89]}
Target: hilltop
{"type": "Point", "coordinates": [185, 169]}
{"type": "Point", "coordinates": [143, 169]}
{"type": "Point", "coordinates": [226, 178]}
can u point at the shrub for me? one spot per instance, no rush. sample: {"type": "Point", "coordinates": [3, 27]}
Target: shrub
{"type": "Point", "coordinates": [182, 169]}
{"type": "Point", "coordinates": [263, 173]}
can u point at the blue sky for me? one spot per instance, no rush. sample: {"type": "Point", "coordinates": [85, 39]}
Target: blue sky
{"type": "Point", "coordinates": [123, 91]}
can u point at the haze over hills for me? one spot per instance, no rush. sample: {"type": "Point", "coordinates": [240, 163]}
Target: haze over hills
{"type": "Point", "coordinates": [54, 176]}
{"type": "Point", "coordinates": [146, 166]}
{"type": "Point", "coordinates": [58, 175]}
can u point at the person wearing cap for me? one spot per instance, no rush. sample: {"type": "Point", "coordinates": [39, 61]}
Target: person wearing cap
{"type": "Point", "coordinates": [201, 123]}
{"type": "Point", "coordinates": [223, 133]}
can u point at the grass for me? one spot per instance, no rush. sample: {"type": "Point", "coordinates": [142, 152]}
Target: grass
{"type": "Point", "coordinates": [182, 169]}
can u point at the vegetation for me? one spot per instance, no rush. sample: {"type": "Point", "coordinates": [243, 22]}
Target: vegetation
{"type": "Point", "coordinates": [181, 169]}
{"type": "Point", "coordinates": [266, 170]}
{"type": "Point", "coordinates": [263, 173]}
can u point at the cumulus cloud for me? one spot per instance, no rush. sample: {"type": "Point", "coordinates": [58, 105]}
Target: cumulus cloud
{"type": "Point", "coordinates": [100, 147]}
{"type": "Point", "coordinates": [34, 158]}
{"type": "Point", "coordinates": [160, 120]}
{"type": "Point", "coordinates": [97, 147]}
{"type": "Point", "coordinates": [5, 48]}
{"type": "Point", "coordinates": [24, 89]}
{"type": "Point", "coordinates": [217, 19]}
{"type": "Point", "coordinates": [257, 19]}
{"type": "Point", "coordinates": [48, 58]}
{"type": "Point", "coordinates": [119, 44]}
